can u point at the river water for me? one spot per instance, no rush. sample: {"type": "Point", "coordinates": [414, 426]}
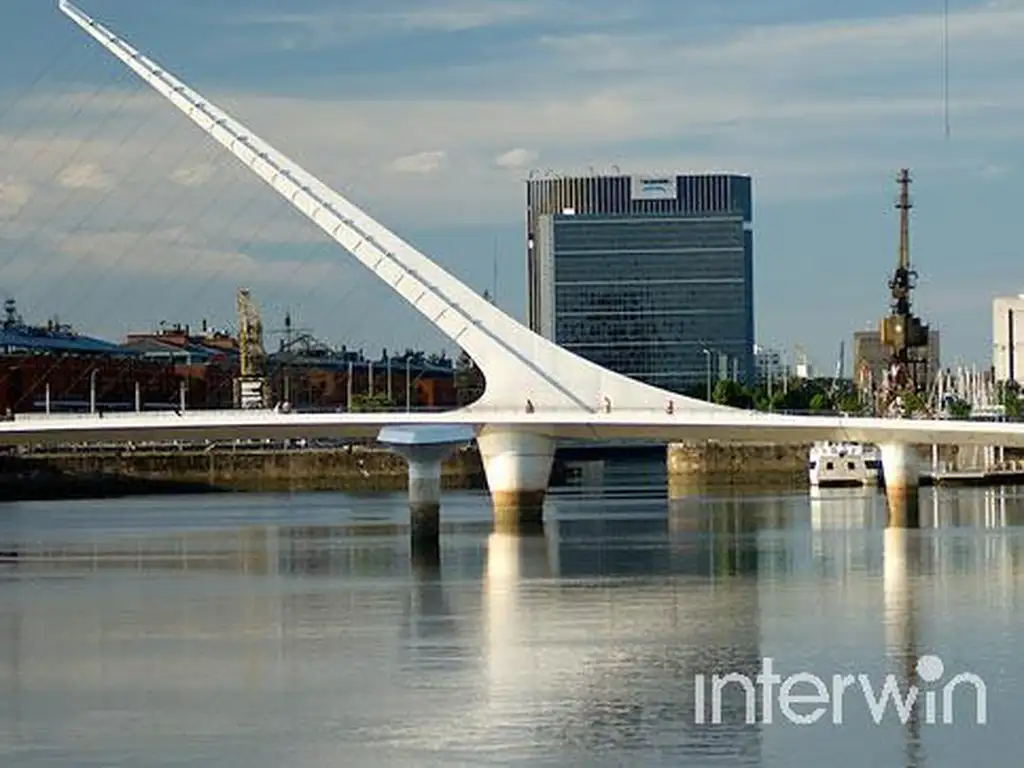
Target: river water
{"type": "Point", "coordinates": [298, 630]}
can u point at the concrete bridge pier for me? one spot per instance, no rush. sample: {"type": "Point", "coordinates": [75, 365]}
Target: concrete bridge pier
{"type": "Point", "coordinates": [518, 467]}
{"type": "Point", "coordinates": [425, 448]}
{"type": "Point", "coordinates": [901, 473]}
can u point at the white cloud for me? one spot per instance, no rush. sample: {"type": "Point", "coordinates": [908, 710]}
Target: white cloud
{"type": "Point", "coordinates": [177, 178]}
{"type": "Point", "coordinates": [515, 158]}
{"type": "Point", "coordinates": [421, 162]}
{"type": "Point", "coordinates": [460, 15]}
{"type": "Point", "coordinates": [847, 47]}
{"type": "Point", "coordinates": [810, 110]}
{"type": "Point", "coordinates": [332, 27]}
{"type": "Point", "coordinates": [994, 170]}
{"type": "Point", "coordinates": [801, 100]}
{"type": "Point", "coordinates": [193, 175]}
{"type": "Point", "coordinates": [791, 103]}
{"type": "Point", "coordinates": [167, 253]}
{"type": "Point", "coordinates": [13, 196]}
{"type": "Point", "coordinates": [85, 176]}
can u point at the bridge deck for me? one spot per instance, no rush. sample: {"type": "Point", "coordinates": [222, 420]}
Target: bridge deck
{"type": "Point", "coordinates": [731, 425]}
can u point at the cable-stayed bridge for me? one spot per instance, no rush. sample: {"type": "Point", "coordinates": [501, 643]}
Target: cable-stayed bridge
{"type": "Point", "coordinates": [536, 392]}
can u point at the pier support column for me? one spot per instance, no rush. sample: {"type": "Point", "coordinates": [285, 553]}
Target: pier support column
{"type": "Point", "coordinates": [518, 468]}
{"type": "Point", "coordinates": [425, 492]}
{"type": "Point", "coordinates": [425, 510]}
{"type": "Point", "coordinates": [425, 448]}
{"type": "Point", "coordinates": [901, 472]}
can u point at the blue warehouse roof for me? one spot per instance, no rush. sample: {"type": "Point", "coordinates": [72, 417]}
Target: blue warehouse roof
{"type": "Point", "coordinates": [380, 366]}
{"type": "Point", "coordinates": [154, 347]}
{"type": "Point", "coordinates": [26, 339]}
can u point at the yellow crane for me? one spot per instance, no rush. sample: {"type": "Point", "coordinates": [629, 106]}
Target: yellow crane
{"type": "Point", "coordinates": [252, 384]}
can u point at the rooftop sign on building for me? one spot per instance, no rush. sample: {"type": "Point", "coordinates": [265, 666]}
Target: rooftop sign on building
{"type": "Point", "coordinates": [652, 188]}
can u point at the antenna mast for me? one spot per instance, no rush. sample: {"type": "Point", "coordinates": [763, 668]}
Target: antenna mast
{"type": "Point", "coordinates": [945, 65]}
{"type": "Point", "coordinates": [904, 280]}
{"type": "Point", "coordinates": [494, 273]}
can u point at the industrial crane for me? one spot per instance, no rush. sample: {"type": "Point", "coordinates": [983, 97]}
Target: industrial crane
{"type": "Point", "coordinates": [251, 391]}
{"type": "Point", "coordinates": [902, 332]}
{"type": "Point", "coordinates": [292, 336]}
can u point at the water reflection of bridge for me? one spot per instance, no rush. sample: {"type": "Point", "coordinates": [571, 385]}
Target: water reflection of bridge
{"type": "Point", "coordinates": [563, 634]}
{"type": "Point", "coordinates": [585, 636]}
{"type": "Point", "coordinates": [836, 538]}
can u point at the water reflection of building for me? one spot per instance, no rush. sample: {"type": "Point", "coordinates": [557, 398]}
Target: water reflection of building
{"type": "Point", "coordinates": [246, 550]}
{"type": "Point", "coordinates": [716, 536]}
{"type": "Point", "coordinates": [596, 631]}
{"type": "Point", "coordinates": [841, 508]}
{"type": "Point", "coordinates": [586, 636]}
{"type": "Point", "coordinates": [974, 507]}
{"type": "Point", "coordinates": [904, 641]}
{"type": "Point", "coordinates": [843, 523]}
{"type": "Point", "coordinates": [165, 613]}
{"type": "Point", "coordinates": [430, 628]}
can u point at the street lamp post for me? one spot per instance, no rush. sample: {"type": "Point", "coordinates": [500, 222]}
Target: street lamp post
{"type": "Point", "coordinates": [92, 391]}
{"type": "Point", "coordinates": [707, 358]}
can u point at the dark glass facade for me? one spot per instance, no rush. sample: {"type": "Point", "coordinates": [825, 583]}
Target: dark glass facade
{"type": "Point", "coordinates": [642, 277]}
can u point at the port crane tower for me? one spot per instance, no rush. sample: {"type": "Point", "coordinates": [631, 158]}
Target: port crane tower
{"type": "Point", "coordinates": [902, 332]}
{"type": "Point", "coordinates": [251, 389]}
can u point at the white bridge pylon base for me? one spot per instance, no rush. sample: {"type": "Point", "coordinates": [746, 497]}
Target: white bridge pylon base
{"type": "Point", "coordinates": [518, 467]}
{"type": "Point", "coordinates": [901, 475]}
{"type": "Point", "coordinates": [425, 448]}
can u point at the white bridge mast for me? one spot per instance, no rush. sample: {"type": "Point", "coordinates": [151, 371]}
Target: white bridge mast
{"type": "Point", "coordinates": [518, 364]}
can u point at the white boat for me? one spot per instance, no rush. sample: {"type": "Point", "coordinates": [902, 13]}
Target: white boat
{"type": "Point", "coordinates": [838, 465]}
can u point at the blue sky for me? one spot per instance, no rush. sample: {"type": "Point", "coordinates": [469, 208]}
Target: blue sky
{"type": "Point", "coordinates": [116, 213]}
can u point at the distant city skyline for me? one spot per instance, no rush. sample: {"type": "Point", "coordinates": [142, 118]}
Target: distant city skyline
{"type": "Point", "coordinates": [115, 214]}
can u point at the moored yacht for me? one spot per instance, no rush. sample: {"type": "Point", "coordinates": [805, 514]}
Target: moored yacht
{"type": "Point", "coordinates": [837, 465]}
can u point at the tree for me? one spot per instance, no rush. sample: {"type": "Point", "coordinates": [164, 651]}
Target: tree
{"type": "Point", "coordinates": [1011, 400]}
{"type": "Point", "coordinates": [958, 408]}
{"type": "Point", "coordinates": [761, 401]}
{"type": "Point", "coordinates": [376, 402]}
{"type": "Point", "coordinates": [696, 391]}
{"type": "Point", "coordinates": [795, 399]}
{"type": "Point", "coordinates": [732, 393]}
{"type": "Point", "coordinates": [851, 403]}
{"type": "Point", "coordinates": [804, 395]}
{"type": "Point", "coordinates": [820, 401]}
{"type": "Point", "coordinates": [469, 380]}
{"type": "Point", "coordinates": [914, 404]}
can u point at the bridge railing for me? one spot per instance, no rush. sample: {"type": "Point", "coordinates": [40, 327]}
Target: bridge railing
{"type": "Point", "coordinates": [252, 413]}
{"type": "Point", "coordinates": [242, 415]}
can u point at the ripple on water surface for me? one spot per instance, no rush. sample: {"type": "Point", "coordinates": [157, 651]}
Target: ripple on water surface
{"type": "Point", "coordinates": [301, 630]}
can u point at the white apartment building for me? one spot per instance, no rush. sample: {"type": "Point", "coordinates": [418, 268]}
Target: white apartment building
{"type": "Point", "coordinates": [1008, 338]}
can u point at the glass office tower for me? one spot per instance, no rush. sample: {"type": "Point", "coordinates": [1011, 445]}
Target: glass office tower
{"type": "Point", "coordinates": [648, 276]}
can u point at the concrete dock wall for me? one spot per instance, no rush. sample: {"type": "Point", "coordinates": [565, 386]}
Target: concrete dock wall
{"type": "Point", "coordinates": [737, 464]}
{"type": "Point", "coordinates": [251, 470]}
{"type": "Point", "coordinates": [698, 465]}
{"type": "Point", "coordinates": [94, 474]}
